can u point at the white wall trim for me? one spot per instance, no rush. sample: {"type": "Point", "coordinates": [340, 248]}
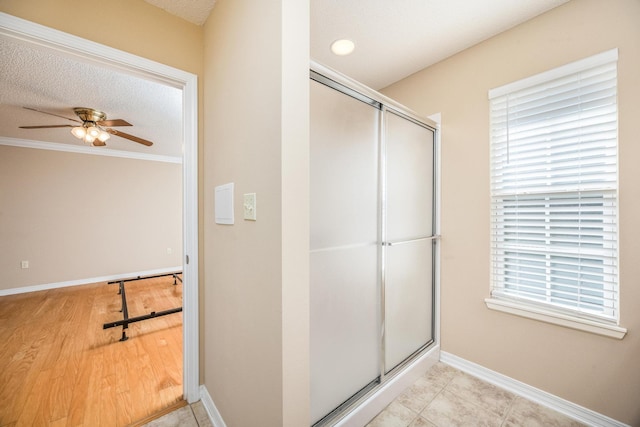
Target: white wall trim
{"type": "Point", "coordinates": [555, 318]}
{"type": "Point", "coordinates": [210, 407]}
{"type": "Point", "coordinates": [89, 51]}
{"type": "Point", "coordinates": [96, 151]}
{"type": "Point", "coordinates": [190, 298]}
{"type": "Point", "coordinates": [555, 73]}
{"type": "Point", "coordinates": [78, 282]}
{"type": "Point", "coordinates": [577, 412]}
{"type": "Point", "coordinates": [85, 50]}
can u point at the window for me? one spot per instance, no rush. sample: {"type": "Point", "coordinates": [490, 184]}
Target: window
{"type": "Point", "coordinates": [554, 246]}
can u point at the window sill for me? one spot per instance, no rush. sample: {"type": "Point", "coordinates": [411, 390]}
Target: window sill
{"type": "Point", "coordinates": [552, 317]}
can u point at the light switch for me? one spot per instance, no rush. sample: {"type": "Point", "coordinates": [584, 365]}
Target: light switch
{"type": "Point", "coordinates": [250, 206]}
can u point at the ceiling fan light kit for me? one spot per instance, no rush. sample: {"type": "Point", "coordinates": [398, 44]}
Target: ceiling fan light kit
{"type": "Point", "coordinates": [94, 129]}
{"type": "Point", "coordinates": [89, 134]}
{"type": "Point", "coordinates": [90, 131]}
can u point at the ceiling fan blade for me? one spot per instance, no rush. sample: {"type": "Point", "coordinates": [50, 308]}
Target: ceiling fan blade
{"type": "Point", "coordinates": [130, 137]}
{"type": "Point", "coordinates": [45, 127]}
{"type": "Point", "coordinates": [51, 114]}
{"type": "Point", "coordinates": [116, 122]}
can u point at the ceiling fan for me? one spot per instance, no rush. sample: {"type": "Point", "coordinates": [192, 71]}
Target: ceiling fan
{"type": "Point", "coordinates": [94, 128]}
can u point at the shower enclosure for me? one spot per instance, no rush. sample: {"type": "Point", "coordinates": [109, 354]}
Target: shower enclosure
{"type": "Point", "coordinates": [372, 241]}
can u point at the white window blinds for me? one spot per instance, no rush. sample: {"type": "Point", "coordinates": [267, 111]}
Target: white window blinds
{"type": "Point", "coordinates": [554, 189]}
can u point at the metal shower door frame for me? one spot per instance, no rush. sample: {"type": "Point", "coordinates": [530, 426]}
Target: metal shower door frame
{"type": "Point", "coordinates": [385, 106]}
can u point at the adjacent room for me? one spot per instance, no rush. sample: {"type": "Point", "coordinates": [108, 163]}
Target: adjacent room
{"type": "Point", "coordinates": [416, 213]}
{"type": "Point", "coordinates": [92, 241]}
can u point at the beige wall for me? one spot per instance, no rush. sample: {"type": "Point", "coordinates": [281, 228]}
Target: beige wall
{"type": "Point", "coordinates": [256, 136]}
{"type": "Point", "coordinates": [75, 216]}
{"type": "Point", "coordinates": [600, 373]}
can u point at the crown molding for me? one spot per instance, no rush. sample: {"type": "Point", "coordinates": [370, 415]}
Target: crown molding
{"type": "Point", "coordinates": [96, 151]}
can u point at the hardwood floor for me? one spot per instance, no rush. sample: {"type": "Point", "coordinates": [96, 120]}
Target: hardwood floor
{"type": "Point", "coordinates": [59, 367]}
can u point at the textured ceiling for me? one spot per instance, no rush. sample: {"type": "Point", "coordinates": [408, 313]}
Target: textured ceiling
{"type": "Point", "coordinates": [38, 78]}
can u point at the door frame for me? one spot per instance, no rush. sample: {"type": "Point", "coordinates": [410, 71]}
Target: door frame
{"type": "Point", "coordinates": [111, 58]}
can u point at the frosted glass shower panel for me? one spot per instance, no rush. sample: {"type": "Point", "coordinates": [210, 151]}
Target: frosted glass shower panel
{"type": "Point", "coordinates": [409, 177]}
{"type": "Point", "coordinates": [344, 291]}
{"type": "Point", "coordinates": [344, 326]}
{"type": "Point", "coordinates": [408, 300]}
{"type": "Point", "coordinates": [344, 169]}
{"type": "Point", "coordinates": [408, 278]}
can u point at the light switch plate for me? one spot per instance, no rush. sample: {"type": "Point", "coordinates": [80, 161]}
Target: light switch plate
{"type": "Point", "coordinates": [224, 204]}
{"type": "Point", "coordinates": [250, 206]}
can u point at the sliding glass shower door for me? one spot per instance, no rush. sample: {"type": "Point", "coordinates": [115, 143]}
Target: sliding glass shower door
{"type": "Point", "coordinates": [371, 246]}
{"type": "Point", "coordinates": [344, 256]}
{"type": "Point", "coordinates": [408, 242]}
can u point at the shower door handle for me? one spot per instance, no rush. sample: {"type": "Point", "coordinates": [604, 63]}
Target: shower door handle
{"type": "Point", "coordinates": [400, 242]}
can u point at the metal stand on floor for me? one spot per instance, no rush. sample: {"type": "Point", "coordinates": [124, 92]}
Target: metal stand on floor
{"type": "Point", "coordinates": [125, 311]}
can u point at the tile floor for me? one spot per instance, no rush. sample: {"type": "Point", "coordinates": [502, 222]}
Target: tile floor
{"type": "Point", "coordinates": [442, 397]}
{"type": "Point", "coordinates": [445, 397]}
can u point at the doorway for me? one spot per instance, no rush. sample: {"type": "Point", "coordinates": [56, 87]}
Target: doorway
{"type": "Point", "coordinates": [59, 43]}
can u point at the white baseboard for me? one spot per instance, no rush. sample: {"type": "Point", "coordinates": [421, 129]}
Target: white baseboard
{"type": "Point", "coordinates": [577, 412]}
{"type": "Point", "coordinates": [371, 407]}
{"type": "Point", "coordinates": [210, 407]}
{"type": "Point", "coordinates": [47, 286]}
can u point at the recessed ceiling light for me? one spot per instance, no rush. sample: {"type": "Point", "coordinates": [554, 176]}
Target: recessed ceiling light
{"type": "Point", "coordinates": [342, 47]}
